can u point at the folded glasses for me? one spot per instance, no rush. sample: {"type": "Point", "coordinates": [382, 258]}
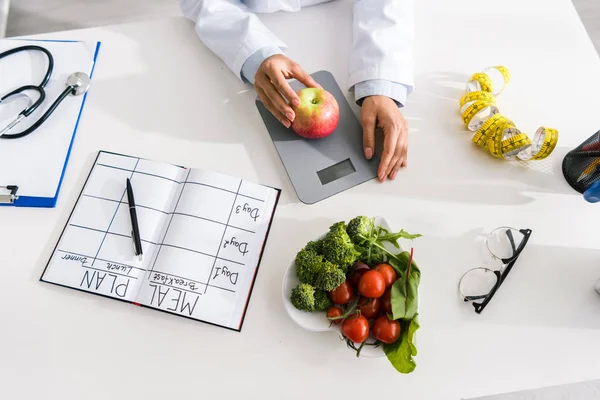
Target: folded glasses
{"type": "Point", "coordinates": [478, 285]}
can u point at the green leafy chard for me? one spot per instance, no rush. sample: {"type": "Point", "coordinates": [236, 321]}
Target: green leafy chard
{"type": "Point", "coordinates": [401, 353]}
{"type": "Point", "coordinates": [404, 294]}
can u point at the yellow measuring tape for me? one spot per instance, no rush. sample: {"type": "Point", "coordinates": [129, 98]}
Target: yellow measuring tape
{"type": "Point", "coordinates": [495, 132]}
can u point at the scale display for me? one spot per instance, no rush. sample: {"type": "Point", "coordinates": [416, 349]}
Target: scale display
{"type": "Point", "coordinates": [321, 168]}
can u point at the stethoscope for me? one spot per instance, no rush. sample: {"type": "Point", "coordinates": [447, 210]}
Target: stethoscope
{"type": "Point", "coordinates": [77, 84]}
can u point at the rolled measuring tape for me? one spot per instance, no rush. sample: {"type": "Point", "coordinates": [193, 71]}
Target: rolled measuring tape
{"type": "Point", "coordinates": [477, 112]}
{"type": "Point", "coordinates": [493, 131]}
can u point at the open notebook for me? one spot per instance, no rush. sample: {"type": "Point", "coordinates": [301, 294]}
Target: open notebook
{"type": "Point", "coordinates": [203, 236]}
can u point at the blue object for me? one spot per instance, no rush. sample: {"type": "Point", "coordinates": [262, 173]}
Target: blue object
{"type": "Point", "coordinates": [592, 194]}
{"type": "Point", "coordinates": [49, 202]}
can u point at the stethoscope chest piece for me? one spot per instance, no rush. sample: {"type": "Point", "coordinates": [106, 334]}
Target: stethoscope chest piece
{"type": "Point", "coordinates": [80, 83]}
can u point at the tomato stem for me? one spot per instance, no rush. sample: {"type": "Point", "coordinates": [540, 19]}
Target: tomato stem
{"type": "Point", "coordinates": [360, 348]}
{"type": "Point", "coordinates": [351, 344]}
{"type": "Point", "coordinates": [376, 343]}
{"type": "Point", "coordinates": [351, 309]}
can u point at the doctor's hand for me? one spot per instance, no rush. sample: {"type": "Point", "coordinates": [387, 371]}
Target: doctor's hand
{"type": "Point", "coordinates": [273, 89]}
{"type": "Point", "coordinates": [382, 112]}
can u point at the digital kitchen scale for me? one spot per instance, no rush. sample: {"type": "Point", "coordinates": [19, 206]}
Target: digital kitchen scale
{"type": "Point", "coordinates": [320, 168]}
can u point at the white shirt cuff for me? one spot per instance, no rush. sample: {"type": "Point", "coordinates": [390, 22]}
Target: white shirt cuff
{"type": "Point", "coordinates": [252, 63]}
{"type": "Point", "coordinates": [381, 87]}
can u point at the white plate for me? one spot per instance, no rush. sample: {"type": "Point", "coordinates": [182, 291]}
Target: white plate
{"type": "Point", "coordinates": [317, 321]}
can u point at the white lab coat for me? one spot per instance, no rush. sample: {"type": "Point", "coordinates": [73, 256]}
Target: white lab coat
{"type": "Point", "coordinates": [381, 47]}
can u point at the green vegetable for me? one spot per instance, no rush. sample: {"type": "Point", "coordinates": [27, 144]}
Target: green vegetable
{"type": "Point", "coordinates": [316, 246]}
{"type": "Point", "coordinates": [404, 292]}
{"type": "Point", "coordinates": [369, 240]}
{"type": "Point", "coordinates": [338, 228]}
{"type": "Point", "coordinates": [401, 353]}
{"type": "Point", "coordinates": [307, 264]}
{"type": "Point", "coordinates": [312, 269]}
{"type": "Point", "coordinates": [338, 248]}
{"type": "Point", "coordinates": [303, 297]}
{"type": "Point", "coordinates": [370, 255]}
{"type": "Point", "coordinates": [322, 302]}
{"type": "Point", "coordinates": [322, 266]}
{"type": "Point", "coordinates": [328, 276]}
{"type": "Point", "coordinates": [359, 228]}
{"type": "Point", "coordinates": [385, 236]}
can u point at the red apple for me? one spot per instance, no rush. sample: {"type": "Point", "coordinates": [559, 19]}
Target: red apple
{"type": "Point", "coordinates": [317, 115]}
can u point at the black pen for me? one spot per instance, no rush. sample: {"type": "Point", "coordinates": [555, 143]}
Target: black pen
{"type": "Point", "coordinates": [135, 233]}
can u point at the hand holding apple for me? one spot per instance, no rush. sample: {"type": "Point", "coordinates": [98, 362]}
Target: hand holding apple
{"type": "Point", "coordinates": [273, 88]}
{"type": "Point", "coordinates": [318, 114]}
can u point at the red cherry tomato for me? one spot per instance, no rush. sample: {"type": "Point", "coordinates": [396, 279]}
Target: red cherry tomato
{"type": "Point", "coordinates": [335, 312]}
{"type": "Point", "coordinates": [343, 294]}
{"type": "Point", "coordinates": [369, 307]}
{"type": "Point", "coordinates": [388, 272]}
{"type": "Point", "coordinates": [356, 328]}
{"type": "Point", "coordinates": [371, 284]}
{"type": "Point", "coordinates": [386, 302]}
{"type": "Point", "coordinates": [356, 272]}
{"type": "Point", "coordinates": [386, 330]}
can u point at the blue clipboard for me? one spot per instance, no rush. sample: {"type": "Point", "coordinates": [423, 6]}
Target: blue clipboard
{"type": "Point", "coordinates": [9, 195]}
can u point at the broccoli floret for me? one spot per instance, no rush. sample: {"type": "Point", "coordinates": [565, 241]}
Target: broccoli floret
{"type": "Point", "coordinates": [328, 276]}
{"type": "Point", "coordinates": [303, 297]}
{"type": "Point", "coordinates": [307, 263]}
{"type": "Point", "coordinates": [338, 227]}
{"type": "Point", "coordinates": [322, 302]}
{"type": "Point", "coordinates": [312, 269]}
{"type": "Point", "coordinates": [316, 246]}
{"type": "Point", "coordinates": [339, 249]}
{"type": "Point", "coordinates": [360, 228]}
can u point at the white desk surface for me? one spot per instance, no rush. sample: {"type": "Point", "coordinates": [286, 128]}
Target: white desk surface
{"type": "Point", "coordinates": [159, 93]}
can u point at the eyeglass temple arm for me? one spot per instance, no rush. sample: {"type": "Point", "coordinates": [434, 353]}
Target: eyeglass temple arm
{"type": "Point", "coordinates": [516, 252]}
{"type": "Point", "coordinates": [501, 277]}
{"type": "Point", "coordinates": [511, 239]}
{"type": "Point", "coordinates": [526, 233]}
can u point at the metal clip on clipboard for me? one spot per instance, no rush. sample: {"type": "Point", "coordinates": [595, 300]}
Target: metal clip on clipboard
{"type": "Point", "coordinates": [8, 194]}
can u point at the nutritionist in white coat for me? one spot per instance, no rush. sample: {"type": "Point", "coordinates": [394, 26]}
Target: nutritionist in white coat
{"type": "Point", "coordinates": [380, 70]}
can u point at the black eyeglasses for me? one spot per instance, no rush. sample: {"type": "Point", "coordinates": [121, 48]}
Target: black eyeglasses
{"type": "Point", "coordinates": [481, 283]}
